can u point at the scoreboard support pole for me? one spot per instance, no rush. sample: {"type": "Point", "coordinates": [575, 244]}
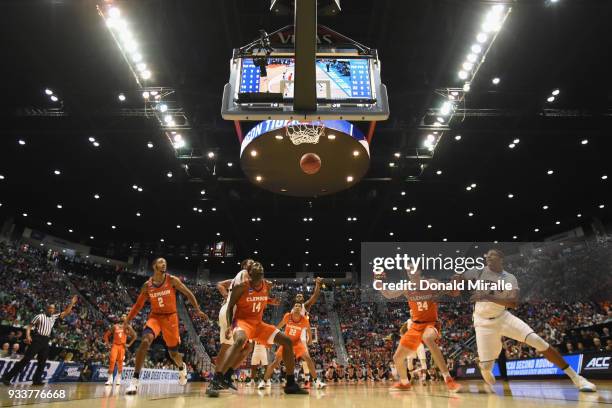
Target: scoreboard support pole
{"type": "Point", "coordinates": [305, 89]}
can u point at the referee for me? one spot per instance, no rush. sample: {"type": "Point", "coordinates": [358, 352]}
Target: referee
{"type": "Point", "coordinates": [38, 343]}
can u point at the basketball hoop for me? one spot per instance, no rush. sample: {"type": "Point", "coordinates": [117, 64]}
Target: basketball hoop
{"type": "Point", "coordinates": [305, 132]}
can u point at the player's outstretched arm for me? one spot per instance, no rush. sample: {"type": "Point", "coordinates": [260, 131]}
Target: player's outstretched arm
{"type": "Point", "coordinates": [315, 296]}
{"type": "Point", "coordinates": [223, 287]}
{"type": "Point", "coordinates": [68, 309]}
{"type": "Point", "coordinates": [142, 298]}
{"type": "Point", "coordinates": [180, 286]}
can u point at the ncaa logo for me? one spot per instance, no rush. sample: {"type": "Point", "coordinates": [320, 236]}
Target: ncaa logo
{"type": "Point", "coordinates": [598, 363]}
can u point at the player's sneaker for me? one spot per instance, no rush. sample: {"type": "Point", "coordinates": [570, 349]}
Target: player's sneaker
{"type": "Point", "coordinates": [452, 385]}
{"type": "Point", "coordinates": [132, 389]}
{"type": "Point", "coordinates": [398, 386]}
{"type": "Point", "coordinates": [228, 383]}
{"type": "Point", "coordinates": [488, 377]}
{"type": "Point", "coordinates": [183, 375]}
{"type": "Point", "coordinates": [109, 381]}
{"type": "Point", "coordinates": [118, 380]}
{"type": "Point", "coordinates": [294, 389]}
{"type": "Point", "coordinates": [269, 383]}
{"type": "Point", "coordinates": [261, 385]}
{"type": "Point", "coordinates": [584, 385]}
{"type": "Point", "coordinates": [319, 384]}
{"type": "Point", "coordinates": [213, 389]}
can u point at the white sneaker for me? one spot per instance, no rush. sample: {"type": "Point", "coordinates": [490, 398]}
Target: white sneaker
{"type": "Point", "coordinates": [320, 384]}
{"type": "Point", "coordinates": [109, 381]}
{"type": "Point", "coordinates": [132, 389]}
{"type": "Point", "coordinates": [183, 375]}
{"type": "Point", "coordinates": [584, 385]}
{"type": "Point", "coordinates": [488, 377]}
{"type": "Point", "coordinates": [261, 385]}
{"type": "Point", "coordinates": [269, 383]}
{"type": "Point", "coordinates": [118, 379]}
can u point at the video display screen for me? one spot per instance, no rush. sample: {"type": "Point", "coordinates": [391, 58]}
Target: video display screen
{"type": "Point", "coordinates": [338, 79]}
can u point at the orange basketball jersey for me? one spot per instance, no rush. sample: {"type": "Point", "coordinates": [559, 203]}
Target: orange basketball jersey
{"type": "Point", "coordinates": [162, 297]}
{"type": "Point", "coordinates": [119, 336]}
{"type": "Point", "coordinates": [252, 303]}
{"type": "Point", "coordinates": [294, 328]}
{"type": "Point", "coordinates": [423, 311]}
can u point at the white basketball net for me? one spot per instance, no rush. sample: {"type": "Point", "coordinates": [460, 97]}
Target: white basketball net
{"type": "Point", "coordinates": [305, 133]}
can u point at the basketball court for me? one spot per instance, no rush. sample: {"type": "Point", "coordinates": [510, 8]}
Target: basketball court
{"type": "Point", "coordinates": [515, 394]}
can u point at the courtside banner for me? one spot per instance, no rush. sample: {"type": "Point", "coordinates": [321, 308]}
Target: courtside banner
{"type": "Point", "coordinates": [597, 365]}
{"type": "Point", "coordinates": [68, 372]}
{"type": "Point", "coordinates": [147, 375]}
{"type": "Point", "coordinates": [25, 377]}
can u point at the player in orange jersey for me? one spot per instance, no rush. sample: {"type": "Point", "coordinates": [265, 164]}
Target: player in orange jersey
{"type": "Point", "coordinates": [296, 328]}
{"type": "Point", "coordinates": [120, 334]}
{"type": "Point", "coordinates": [425, 328]}
{"type": "Point", "coordinates": [245, 322]}
{"type": "Point", "coordinates": [160, 291]}
{"type": "Point", "coordinates": [306, 305]}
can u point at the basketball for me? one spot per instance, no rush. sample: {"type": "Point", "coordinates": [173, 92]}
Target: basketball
{"type": "Point", "coordinates": [310, 163]}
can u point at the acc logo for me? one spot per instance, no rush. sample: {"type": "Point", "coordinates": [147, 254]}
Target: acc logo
{"type": "Point", "coordinates": [599, 363]}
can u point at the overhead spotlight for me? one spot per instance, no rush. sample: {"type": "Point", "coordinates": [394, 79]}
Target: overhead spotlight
{"type": "Point", "coordinates": [510, 195]}
{"type": "Point", "coordinates": [25, 214]}
{"type": "Point", "coordinates": [22, 142]}
{"type": "Point", "coordinates": [473, 185]}
{"type": "Point", "coordinates": [169, 174]}
{"type": "Point", "coordinates": [146, 74]}
{"type": "Point", "coordinates": [545, 207]}
{"type": "Point", "coordinates": [492, 227]}
{"type": "Point", "coordinates": [584, 141]}
{"type": "Point", "coordinates": [398, 155]}
{"type": "Point", "coordinates": [403, 193]}
{"type": "Point", "coordinates": [555, 92]}
{"type": "Point", "coordinates": [135, 187]}
{"type": "Point", "coordinates": [258, 178]}
{"type": "Point", "coordinates": [331, 137]}
{"type": "Point", "coordinates": [601, 206]}
{"type": "Point", "coordinates": [481, 38]}
{"type": "Point", "coordinates": [476, 49]}
{"type": "Point", "coordinates": [536, 230]}
{"type": "Point", "coordinates": [391, 164]}
{"type": "Point", "coordinates": [203, 192]}
{"type": "Point", "coordinates": [470, 214]}
{"type": "Point", "coordinates": [429, 226]}
{"type": "Point", "coordinates": [516, 141]}
{"type": "Point", "coordinates": [60, 206]}
{"type": "Point", "coordinates": [168, 119]}
{"type": "Point", "coordinates": [97, 196]}
{"type": "Point", "coordinates": [253, 153]}
{"type": "Point", "coordinates": [211, 155]}
{"type": "Point", "coordinates": [140, 189]}
{"type": "Point", "coordinates": [512, 145]}
{"type": "Point", "coordinates": [280, 137]}
{"type": "Point", "coordinates": [458, 137]}
{"type": "Point", "coordinates": [178, 227]}
{"type": "Point", "coordinates": [48, 92]}
{"type": "Point", "coordinates": [349, 179]}
{"type": "Point", "coordinates": [138, 214]}
{"type": "Point", "coordinates": [467, 87]}
{"type": "Point", "coordinates": [199, 210]}
{"type": "Point", "coordinates": [549, 172]}
{"type": "Point", "coordinates": [96, 144]}
{"type": "Point", "coordinates": [70, 230]}
{"type": "Point", "coordinates": [468, 66]}
{"type": "Point", "coordinates": [146, 95]}
{"type": "Point", "coordinates": [113, 227]}
{"type": "Point", "coordinates": [121, 97]}
{"type": "Point", "coordinates": [604, 177]}
{"type": "Point", "coordinates": [57, 172]}
{"type": "Point", "coordinates": [495, 81]}
{"type": "Point", "coordinates": [179, 144]}
{"type": "Point", "coordinates": [230, 164]}
{"type": "Point", "coordinates": [445, 110]}
{"type": "Point", "coordinates": [439, 172]}
{"type": "Point", "coordinates": [92, 139]}
{"type": "Point", "coordinates": [150, 145]}
{"type": "Point", "coordinates": [355, 153]}
{"type": "Point", "coordinates": [550, 99]}
{"type": "Point", "coordinates": [162, 107]}
{"type": "Point", "coordinates": [54, 98]}
{"type": "Point", "coordinates": [141, 66]}
{"type": "Point", "coordinates": [463, 75]}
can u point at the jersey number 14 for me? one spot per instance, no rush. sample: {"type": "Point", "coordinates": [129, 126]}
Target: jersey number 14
{"type": "Point", "coordinates": [256, 307]}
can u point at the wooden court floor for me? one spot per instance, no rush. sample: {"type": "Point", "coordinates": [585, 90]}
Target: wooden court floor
{"type": "Point", "coordinates": [514, 394]}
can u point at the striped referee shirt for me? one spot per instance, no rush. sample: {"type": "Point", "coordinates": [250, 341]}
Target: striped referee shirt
{"type": "Point", "coordinates": [43, 324]}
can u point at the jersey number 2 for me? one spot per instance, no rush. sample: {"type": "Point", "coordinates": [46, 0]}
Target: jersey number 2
{"type": "Point", "coordinates": [160, 300]}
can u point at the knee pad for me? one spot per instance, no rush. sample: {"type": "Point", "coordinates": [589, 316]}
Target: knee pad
{"type": "Point", "coordinates": [486, 365]}
{"type": "Point", "coordinates": [536, 342]}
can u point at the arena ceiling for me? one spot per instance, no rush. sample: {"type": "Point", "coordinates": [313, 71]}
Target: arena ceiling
{"type": "Point", "coordinates": [64, 46]}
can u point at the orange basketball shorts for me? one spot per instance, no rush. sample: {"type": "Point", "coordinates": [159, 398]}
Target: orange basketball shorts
{"type": "Point", "coordinates": [299, 349]}
{"type": "Point", "coordinates": [167, 325]}
{"type": "Point", "coordinates": [414, 336]}
{"type": "Point", "coordinates": [258, 331]}
{"type": "Point", "coordinates": [117, 353]}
